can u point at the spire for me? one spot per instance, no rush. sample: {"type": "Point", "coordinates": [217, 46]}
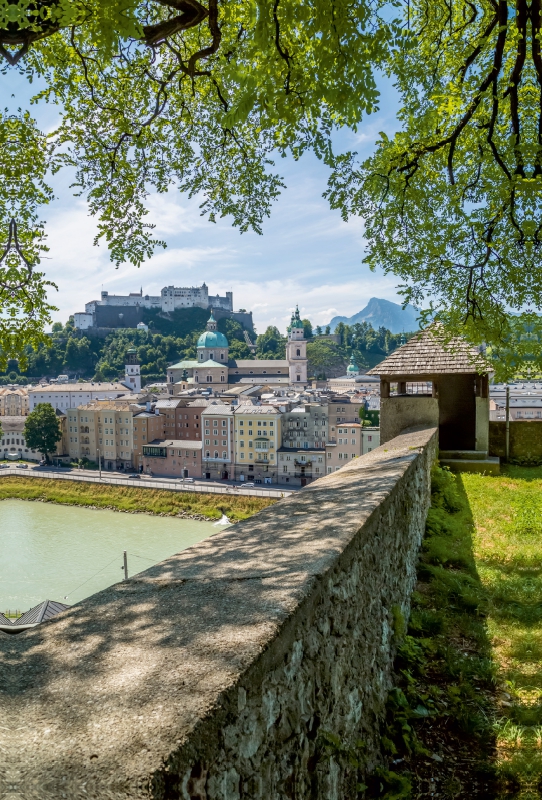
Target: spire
{"type": "Point", "coordinates": [211, 323]}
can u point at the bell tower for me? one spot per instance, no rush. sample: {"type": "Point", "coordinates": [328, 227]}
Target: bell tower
{"type": "Point", "coordinates": [132, 371]}
{"type": "Point", "coordinates": [296, 351]}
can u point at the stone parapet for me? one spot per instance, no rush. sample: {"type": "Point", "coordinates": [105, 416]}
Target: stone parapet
{"type": "Point", "coordinates": [212, 675]}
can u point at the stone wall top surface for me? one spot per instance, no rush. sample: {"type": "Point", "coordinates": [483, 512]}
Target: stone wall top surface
{"type": "Point", "coordinates": [106, 691]}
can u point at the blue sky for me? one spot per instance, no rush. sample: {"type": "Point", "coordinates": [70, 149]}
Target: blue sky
{"type": "Point", "coordinates": [306, 255]}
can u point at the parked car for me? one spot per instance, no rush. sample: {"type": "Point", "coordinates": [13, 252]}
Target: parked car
{"type": "Point", "coordinates": [134, 476]}
{"type": "Point", "coordinates": [4, 466]}
{"type": "Point", "coordinates": [247, 485]}
{"type": "Point", "coordinates": [43, 463]}
{"type": "Point", "coordinates": [187, 480]}
{"type": "Point", "coordinates": [22, 466]}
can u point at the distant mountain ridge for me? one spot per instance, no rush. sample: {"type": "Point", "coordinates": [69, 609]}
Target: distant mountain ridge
{"type": "Point", "coordinates": [383, 313]}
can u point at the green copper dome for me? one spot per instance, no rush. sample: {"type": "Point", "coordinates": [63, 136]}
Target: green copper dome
{"type": "Point", "coordinates": [296, 320]}
{"type": "Point", "coordinates": [352, 367]}
{"type": "Point", "coordinates": [212, 339]}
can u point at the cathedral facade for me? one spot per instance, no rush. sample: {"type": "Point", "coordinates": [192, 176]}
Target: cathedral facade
{"type": "Point", "coordinates": [213, 368]}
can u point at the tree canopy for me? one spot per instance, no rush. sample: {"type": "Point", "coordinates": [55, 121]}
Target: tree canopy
{"type": "Point", "coordinates": [42, 430]}
{"type": "Point", "coordinates": [154, 94]}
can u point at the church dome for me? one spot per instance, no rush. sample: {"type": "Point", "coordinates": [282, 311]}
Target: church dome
{"type": "Point", "coordinates": [352, 367]}
{"type": "Point", "coordinates": [212, 339]}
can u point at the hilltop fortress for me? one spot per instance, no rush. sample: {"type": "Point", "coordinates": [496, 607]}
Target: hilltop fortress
{"type": "Point", "coordinates": [126, 311]}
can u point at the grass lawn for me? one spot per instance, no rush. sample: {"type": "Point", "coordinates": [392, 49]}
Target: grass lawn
{"type": "Point", "coordinates": [126, 498]}
{"type": "Point", "coordinates": [465, 718]}
{"type": "Point", "coordinates": [507, 514]}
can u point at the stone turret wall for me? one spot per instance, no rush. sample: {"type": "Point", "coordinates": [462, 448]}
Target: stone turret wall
{"type": "Point", "coordinates": [213, 675]}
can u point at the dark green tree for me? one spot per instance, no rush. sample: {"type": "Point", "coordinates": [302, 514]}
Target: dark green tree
{"type": "Point", "coordinates": [42, 430]}
{"type": "Point", "coordinates": [307, 328]}
{"type": "Point", "coordinates": [271, 344]}
{"type": "Point", "coordinates": [325, 358]}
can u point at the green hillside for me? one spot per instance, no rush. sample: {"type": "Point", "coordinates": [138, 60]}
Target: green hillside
{"type": "Point", "coordinates": [174, 337]}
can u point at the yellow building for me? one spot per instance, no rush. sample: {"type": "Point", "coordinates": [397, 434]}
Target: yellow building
{"type": "Point", "coordinates": [102, 430]}
{"type": "Point", "coordinates": [257, 438]}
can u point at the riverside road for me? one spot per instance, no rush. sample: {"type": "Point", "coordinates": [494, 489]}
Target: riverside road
{"type": "Point", "coordinates": [145, 481]}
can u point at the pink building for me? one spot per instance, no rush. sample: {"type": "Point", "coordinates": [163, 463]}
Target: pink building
{"type": "Point", "coordinates": [172, 458]}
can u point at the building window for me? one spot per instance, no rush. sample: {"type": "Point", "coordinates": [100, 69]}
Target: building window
{"type": "Point", "coordinates": [285, 468]}
{"type": "Point", "coordinates": [216, 453]}
{"type": "Point", "coordinates": [242, 455]}
{"type": "Point", "coordinates": [224, 455]}
{"type": "Point", "coordinates": [207, 454]}
{"type": "Point", "coordinates": [298, 351]}
{"type": "Point", "coordinates": [369, 438]}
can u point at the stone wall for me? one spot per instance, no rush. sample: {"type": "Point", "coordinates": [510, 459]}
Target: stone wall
{"type": "Point", "coordinates": [525, 440]}
{"type": "Point", "coordinates": [212, 675]}
{"type": "Point", "coordinates": [402, 411]}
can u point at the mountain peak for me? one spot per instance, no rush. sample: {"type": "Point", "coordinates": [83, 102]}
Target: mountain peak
{"type": "Point", "coordinates": [383, 313]}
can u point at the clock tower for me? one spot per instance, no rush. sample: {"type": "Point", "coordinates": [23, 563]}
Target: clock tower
{"type": "Point", "coordinates": [296, 351]}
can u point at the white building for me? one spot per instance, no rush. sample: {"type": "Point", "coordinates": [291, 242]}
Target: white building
{"type": "Point", "coordinates": [12, 442]}
{"type": "Point", "coordinates": [71, 395]}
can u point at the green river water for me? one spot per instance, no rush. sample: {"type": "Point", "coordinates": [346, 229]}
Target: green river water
{"type": "Point", "coordinates": [66, 553]}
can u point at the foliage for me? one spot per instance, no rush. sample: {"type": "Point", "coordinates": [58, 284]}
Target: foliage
{"type": "Point", "coordinates": [171, 93]}
{"type": "Point", "coordinates": [324, 356]}
{"type": "Point", "coordinates": [104, 359]}
{"type": "Point", "coordinates": [307, 328]}
{"type": "Point", "coordinates": [126, 498]}
{"type": "Point", "coordinates": [271, 344]}
{"type": "Point", "coordinates": [452, 203]}
{"type": "Point", "coordinates": [42, 430]}
{"type": "Point", "coordinates": [369, 417]}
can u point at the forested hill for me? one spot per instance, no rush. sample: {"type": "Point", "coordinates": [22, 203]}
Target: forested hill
{"type": "Point", "coordinates": [85, 357]}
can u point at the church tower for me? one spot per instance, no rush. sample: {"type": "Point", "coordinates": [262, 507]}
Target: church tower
{"type": "Point", "coordinates": [296, 351]}
{"type": "Point", "coordinates": [132, 372]}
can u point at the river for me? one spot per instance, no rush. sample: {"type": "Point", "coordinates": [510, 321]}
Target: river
{"type": "Point", "coordinates": [66, 553]}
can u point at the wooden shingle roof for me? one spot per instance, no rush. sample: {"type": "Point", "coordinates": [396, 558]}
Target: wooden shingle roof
{"type": "Point", "coordinates": [430, 353]}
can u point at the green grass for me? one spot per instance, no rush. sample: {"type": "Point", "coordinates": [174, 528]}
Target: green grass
{"type": "Point", "coordinates": [465, 718]}
{"type": "Point", "coordinates": [125, 498]}
{"type": "Point", "coordinates": [507, 514]}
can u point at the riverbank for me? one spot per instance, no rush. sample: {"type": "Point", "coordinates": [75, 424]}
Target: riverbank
{"type": "Point", "coordinates": [133, 500]}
